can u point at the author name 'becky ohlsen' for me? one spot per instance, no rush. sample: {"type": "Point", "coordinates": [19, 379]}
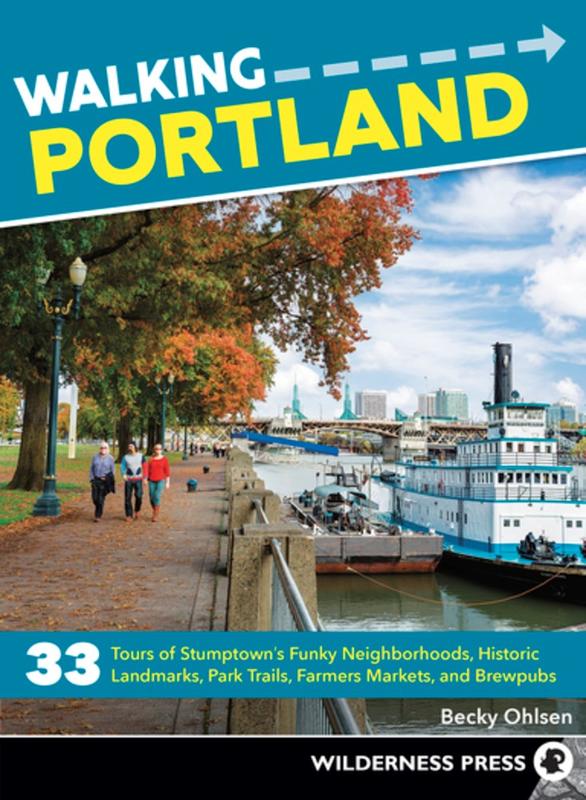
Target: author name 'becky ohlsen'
{"type": "Point", "coordinates": [510, 716]}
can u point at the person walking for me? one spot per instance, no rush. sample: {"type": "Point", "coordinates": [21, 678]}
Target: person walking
{"type": "Point", "coordinates": [132, 474]}
{"type": "Point", "coordinates": [158, 476]}
{"type": "Point", "coordinates": [102, 478]}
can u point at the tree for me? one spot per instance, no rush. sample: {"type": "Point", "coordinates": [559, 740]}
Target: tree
{"type": "Point", "coordinates": [9, 402]}
{"type": "Point", "coordinates": [288, 266]}
{"type": "Point", "coordinates": [63, 420]}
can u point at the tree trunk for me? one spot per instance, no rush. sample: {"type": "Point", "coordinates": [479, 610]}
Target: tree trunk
{"type": "Point", "coordinates": [153, 434]}
{"type": "Point", "coordinates": [33, 446]}
{"type": "Point", "coordinates": [124, 435]}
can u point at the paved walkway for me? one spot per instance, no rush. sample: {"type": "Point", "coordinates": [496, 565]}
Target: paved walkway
{"type": "Point", "coordinates": [76, 575]}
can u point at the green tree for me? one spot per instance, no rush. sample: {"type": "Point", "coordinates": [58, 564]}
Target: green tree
{"type": "Point", "coordinates": [288, 267]}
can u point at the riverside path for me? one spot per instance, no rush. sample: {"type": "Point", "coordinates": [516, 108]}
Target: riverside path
{"type": "Point", "coordinates": [71, 574]}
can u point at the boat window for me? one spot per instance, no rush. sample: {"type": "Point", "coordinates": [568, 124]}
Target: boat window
{"type": "Point", "coordinates": [569, 523]}
{"type": "Point", "coordinates": [501, 477]}
{"type": "Point", "coordinates": [537, 478]}
{"type": "Point", "coordinates": [564, 479]}
{"type": "Point", "coordinates": [516, 523]}
{"type": "Point", "coordinates": [546, 477]}
{"type": "Point", "coordinates": [548, 448]}
{"type": "Point", "coordinates": [509, 477]}
{"type": "Point", "coordinates": [509, 447]}
{"type": "Point", "coordinates": [554, 478]}
{"type": "Point", "coordinates": [527, 477]}
{"type": "Point", "coordinates": [578, 523]}
{"type": "Point", "coordinates": [507, 523]}
{"type": "Point", "coordinates": [537, 448]}
{"type": "Point", "coordinates": [457, 517]}
{"type": "Point", "coordinates": [521, 447]}
{"type": "Point", "coordinates": [519, 477]}
{"type": "Point", "coordinates": [466, 519]}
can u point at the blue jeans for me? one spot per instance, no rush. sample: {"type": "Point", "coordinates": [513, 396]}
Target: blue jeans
{"type": "Point", "coordinates": [156, 492]}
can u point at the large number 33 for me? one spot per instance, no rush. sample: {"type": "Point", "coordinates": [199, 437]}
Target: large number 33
{"type": "Point", "coordinates": [49, 671]}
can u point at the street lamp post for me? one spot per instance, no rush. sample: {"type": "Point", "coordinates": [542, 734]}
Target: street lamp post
{"type": "Point", "coordinates": [48, 504]}
{"type": "Point", "coordinates": [165, 387]}
{"type": "Point", "coordinates": [185, 456]}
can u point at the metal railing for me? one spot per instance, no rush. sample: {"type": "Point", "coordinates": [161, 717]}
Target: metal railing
{"type": "Point", "coordinates": [315, 715]}
{"type": "Point", "coordinates": [505, 491]}
{"type": "Point", "coordinates": [261, 516]}
{"type": "Point", "coordinates": [500, 460]}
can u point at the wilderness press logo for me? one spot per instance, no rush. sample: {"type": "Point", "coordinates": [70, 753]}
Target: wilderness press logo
{"type": "Point", "coordinates": [553, 761]}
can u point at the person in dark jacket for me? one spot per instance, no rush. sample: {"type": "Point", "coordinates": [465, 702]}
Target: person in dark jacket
{"type": "Point", "coordinates": [132, 475]}
{"type": "Point", "coordinates": [102, 478]}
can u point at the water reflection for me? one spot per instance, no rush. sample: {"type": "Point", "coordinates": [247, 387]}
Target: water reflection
{"type": "Point", "coordinates": [434, 602]}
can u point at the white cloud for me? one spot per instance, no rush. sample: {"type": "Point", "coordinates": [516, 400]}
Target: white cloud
{"type": "Point", "coordinates": [567, 389]}
{"type": "Point", "coordinates": [292, 370]}
{"type": "Point", "coordinates": [497, 202]}
{"type": "Point", "coordinates": [557, 288]}
{"type": "Point", "coordinates": [404, 397]}
{"type": "Point", "coordinates": [473, 258]}
{"type": "Point", "coordinates": [569, 218]}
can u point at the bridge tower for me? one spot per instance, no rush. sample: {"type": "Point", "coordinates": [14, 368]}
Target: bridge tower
{"type": "Point", "coordinates": [347, 413]}
{"type": "Point", "coordinates": [296, 412]}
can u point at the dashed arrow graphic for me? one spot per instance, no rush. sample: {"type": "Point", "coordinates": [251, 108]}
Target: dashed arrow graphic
{"type": "Point", "coordinates": [550, 42]}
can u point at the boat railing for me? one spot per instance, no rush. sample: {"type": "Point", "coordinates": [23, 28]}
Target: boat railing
{"type": "Point", "coordinates": [507, 491]}
{"type": "Point", "coordinates": [502, 460]}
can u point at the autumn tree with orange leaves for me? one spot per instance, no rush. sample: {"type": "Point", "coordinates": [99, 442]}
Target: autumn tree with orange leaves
{"type": "Point", "coordinates": [221, 279]}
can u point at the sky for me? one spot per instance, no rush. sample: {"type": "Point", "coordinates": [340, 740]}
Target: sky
{"type": "Point", "coordinates": [502, 257]}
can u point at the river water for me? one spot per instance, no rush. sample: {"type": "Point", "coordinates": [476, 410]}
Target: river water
{"type": "Point", "coordinates": [427, 603]}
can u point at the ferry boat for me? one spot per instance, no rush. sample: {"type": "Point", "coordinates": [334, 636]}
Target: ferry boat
{"type": "Point", "coordinates": [509, 512]}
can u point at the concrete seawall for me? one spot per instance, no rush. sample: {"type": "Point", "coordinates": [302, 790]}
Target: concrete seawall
{"type": "Point", "coordinates": [254, 519]}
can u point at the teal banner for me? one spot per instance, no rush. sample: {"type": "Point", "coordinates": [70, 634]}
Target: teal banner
{"type": "Point", "coordinates": [179, 664]}
{"type": "Point", "coordinates": [126, 109]}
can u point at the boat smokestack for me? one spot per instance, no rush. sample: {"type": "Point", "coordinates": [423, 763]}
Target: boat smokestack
{"type": "Point", "coordinates": [503, 372]}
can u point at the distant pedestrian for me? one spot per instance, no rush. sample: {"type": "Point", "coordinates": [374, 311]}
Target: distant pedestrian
{"type": "Point", "coordinates": [158, 476]}
{"type": "Point", "coordinates": [102, 478]}
{"type": "Point", "coordinates": [132, 474]}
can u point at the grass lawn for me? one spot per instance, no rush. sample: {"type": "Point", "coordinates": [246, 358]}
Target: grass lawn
{"type": "Point", "coordinates": [72, 480]}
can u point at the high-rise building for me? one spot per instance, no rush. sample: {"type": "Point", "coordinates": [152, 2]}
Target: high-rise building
{"type": "Point", "coordinates": [371, 404]}
{"type": "Point", "coordinates": [426, 404]}
{"type": "Point", "coordinates": [452, 403]}
{"type": "Point", "coordinates": [562, 411]}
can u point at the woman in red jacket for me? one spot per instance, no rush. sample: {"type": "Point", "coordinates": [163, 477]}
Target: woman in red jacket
{"type": "Point", "coordinates": [158, 477]}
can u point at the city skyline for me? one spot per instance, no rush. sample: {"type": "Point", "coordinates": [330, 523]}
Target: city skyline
{"type": "Point", "coordinates": [494, 244]}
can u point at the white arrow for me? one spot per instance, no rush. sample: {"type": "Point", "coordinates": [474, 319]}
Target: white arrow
{"type": "Point", "coordinates": [550, 43]}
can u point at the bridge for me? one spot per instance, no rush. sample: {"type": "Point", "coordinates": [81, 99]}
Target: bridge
{"type": "Point", "coordinates": [396, 435]}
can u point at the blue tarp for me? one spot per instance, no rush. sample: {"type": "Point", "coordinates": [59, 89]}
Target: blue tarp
{"type": "Point", "coordinates": [262, 438]}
